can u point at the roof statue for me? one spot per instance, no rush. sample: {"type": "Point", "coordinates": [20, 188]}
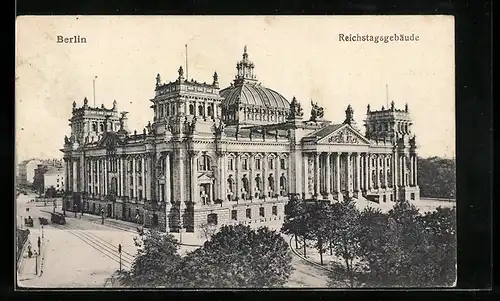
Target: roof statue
{"type": "Point", "coordinates": [181, 72]}
{"type": "Point", "coordinates": [317, 112]}
{"type": "Point", "coordinates": [406, 107]}
{"type": "Point", "coordinates": [392, 105]}
{"type": "Point", "coordinates": [349, 115]}
{"type": "Point", "coordinates": [74, 105]}
{"type": "Point", "coordinates": [114, 104]}
{"type": "Point", "coordinates": [295, 109]}
{"type": "Point", "coordinates": [158, 80]}
{"type": "Point", "coordinates": [216, 79]}
{"type": "Point", "coordinates": [368, 108]}
{"type": "Point", "coordinates": [85, 101]}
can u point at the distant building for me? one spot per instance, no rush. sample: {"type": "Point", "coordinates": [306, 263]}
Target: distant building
{"type": "Point", "coordinates": [26, 171]}
{"type": "Point", "coordinates": [54, 177]}
{"type": "Point", "coordinates": [39, 173]}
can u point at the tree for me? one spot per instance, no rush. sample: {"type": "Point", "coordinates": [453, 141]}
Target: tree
{"type": "Point", "coordinates": [319, 225]}
{"type": "Point", "coordinates": [156, 258]}
{"type": "Point", "coordinates": [440, 228]}
{"type": "Point", "coordinates": [236, 256]}
{"type": "Point", "coordinates": [346, 242]}
{"type": "Point", "coordinates": [292, 223]}
{"type": "Point", "coordinates": [405, 248]}
{"type": "Point", "coordinates": [437, 177]}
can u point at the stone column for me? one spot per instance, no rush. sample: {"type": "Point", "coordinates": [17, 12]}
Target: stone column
{"type": "Point", "coordinates": [195, 194]}
{"type": "Point", "coordinates": [317, 175]}
{"type": "Point", "coordinates": [98, 175]}
{"type": "Point", "coordinates": [250, 175]}
{"type": "Point", "coordinates": [358, 172]}
{"type": "Point", "coordinates": [328, 177]}
{"type": "Point", "coordinates": [167, 197]}
{"type": "Point", "coordinates": [305, 160]}
{"type": "Point", "coordinates": [264, 174]}
{"type": "Point", "coordinates": [337, 175]}
{"type": "Point", "coordinates": [143, 176]}
{"type": "Point", "coordinates": [134, 186]}
{"type": "Point", "coordinates": [148, 175]}
{"type": "Point", "coordinates": [415, 170]}
{"type": "Point", "coordinates": [106, 175]}
{"type": "Point", "coordinates": [385, 172]}
{"type": "Point", "coordinates": [403, 169]}
{"type": "Point", "coordinates": [377, 173]}
{"type": "Point", "coordinates": [348, 177]}
{"type": "Point", "coordinates": [369, 171]}
{"type": "Point", "coordinates": [278, 175]}
{"type": "Point", "coordinates": [91, 173]}
{"type": "Point", "coordinates": [237, 175]}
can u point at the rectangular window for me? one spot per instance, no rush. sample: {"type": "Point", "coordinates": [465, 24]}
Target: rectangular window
{"type": "Point", "coordinates": [244, 164]}
{"type": "Point", "coordinates": [275, 210]}
{"type": "Point", "coordinates": [412, 196]}
{"type": "Point", "coordinates": [140, 181]}
{"type": "Point", "coordinates": [139, 192]}
{"type": "Point", "coordinates": [282, 164]}
{"type": "Point", "coordinates": [271, 163]}
{"type": "Point", "coordinates": [257, 163]}
{"type": "Point", "coordinates": [230, 164]}
{"type": "Point", "coordinates": [249, 213]}
{"type": "Point", "coordinates": [131, 193]}
{"type": "Point", "coordinates": [234, 215]}
{"type": "Point", "coordinates": [261, 211]}
{"type": "Point", "coordinates": [385, 198]}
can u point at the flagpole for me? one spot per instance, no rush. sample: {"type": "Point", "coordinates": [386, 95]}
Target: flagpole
{"type": "Point", "coordinates": [93, 82]}
{"type": "Point", "coordinates": [187, 73]}
{"type": "Point", "coordinates": [387, 95]}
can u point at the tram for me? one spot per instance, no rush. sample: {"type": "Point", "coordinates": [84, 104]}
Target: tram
{"type": "Point", "coordinates": [58, 218]}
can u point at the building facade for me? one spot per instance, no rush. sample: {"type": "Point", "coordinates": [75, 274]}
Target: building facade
{"type": "Point", "coordinates": [231, 155]}
{"type": "Point", "coordinates": [54, 178]}
{"type": "Point", "coordinates": [26, 171]}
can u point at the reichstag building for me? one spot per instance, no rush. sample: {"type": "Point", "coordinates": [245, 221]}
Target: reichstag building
{"type": "Point", "coordinates": [232, 155]}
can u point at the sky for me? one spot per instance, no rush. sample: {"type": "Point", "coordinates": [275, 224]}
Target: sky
{"type": "Point", "coordinates": [299, 56]}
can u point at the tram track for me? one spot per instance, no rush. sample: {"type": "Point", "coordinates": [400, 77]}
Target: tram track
{"type": "Point", "coordinates": [99, 244]}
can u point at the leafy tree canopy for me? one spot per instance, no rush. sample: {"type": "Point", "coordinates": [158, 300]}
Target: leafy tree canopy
{"type": "Point", "coordinates": [237, 256]}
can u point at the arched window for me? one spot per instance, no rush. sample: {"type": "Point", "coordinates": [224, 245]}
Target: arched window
{"type": "Point", "coordinates": [167, 111]}
{"type": "Point", "coordinates": [191, 110]}
{"type": "Point", "coordinates": [200, 111]}
{"type": "Point", "coordinates": [94, 127]}
{"type": "Point", "coordinates": [204, 163]}
{"type": "Point", "coordinates": [212, 218]}
{"type": "Point", "coordinates": [101, 127]}
{"type": "Point", "coordinates": [210, 111]}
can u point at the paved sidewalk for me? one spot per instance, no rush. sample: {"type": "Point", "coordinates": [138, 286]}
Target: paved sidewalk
{"type": "Point", "coordinates": [27, 267]}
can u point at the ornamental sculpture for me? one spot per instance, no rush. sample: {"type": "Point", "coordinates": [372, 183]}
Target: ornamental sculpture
{"type": "Point", "coordinates": [344, 136]}
{"type": "Point", "coordinates": [317, 112]}
{"type": "Point", "coordinates": [295, 109]}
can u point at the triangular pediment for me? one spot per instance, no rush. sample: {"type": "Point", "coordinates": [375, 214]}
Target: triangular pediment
{"type": "Point", "coordinates": [205, 177]}
{"type": "Point", "coordinates": [109, 140]}
{"type": "Point", "coordinates": [346, 134]}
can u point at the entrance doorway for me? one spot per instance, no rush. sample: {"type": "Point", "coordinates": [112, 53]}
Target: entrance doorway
{"type": "Point", "coordinates": [110, 210]}
{"type": "Point", "coordinates": [155, 220]}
